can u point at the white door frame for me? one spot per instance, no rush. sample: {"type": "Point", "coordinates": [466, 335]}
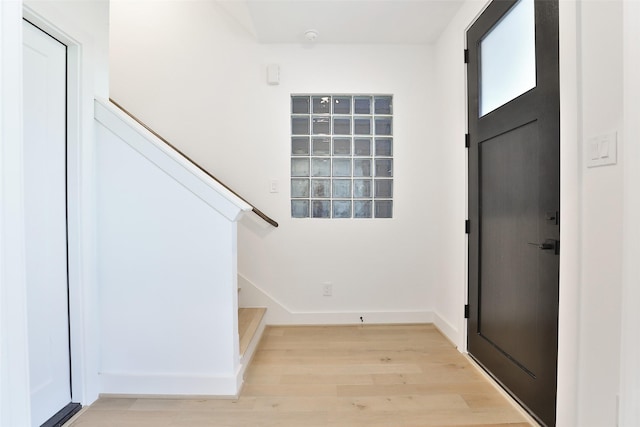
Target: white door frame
{"type": "Point", "coordinates": [15, 406]}
{"type": "Point", "coordinates": [86, 79]}
{"type": "Point", "coordinates": [81, 213]}
{"type": "Point", "coordinates": [45, 64]}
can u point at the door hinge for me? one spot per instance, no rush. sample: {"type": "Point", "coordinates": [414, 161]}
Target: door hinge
{"type": "Point", "coordinates": [466, 311]}
{"type": "Point", "coordinates": [467, 226]}
{"type": "Point", "coordinates": [466, 56]}
{"type": "Point", "coordinates": [467, 140]}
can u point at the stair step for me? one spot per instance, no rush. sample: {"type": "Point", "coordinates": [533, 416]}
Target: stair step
{"type": "Point", "coordinates": [248, 323]}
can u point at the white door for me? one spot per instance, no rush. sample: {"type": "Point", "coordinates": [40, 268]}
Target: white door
{"type": "Point", "coordinates": [46, 222]}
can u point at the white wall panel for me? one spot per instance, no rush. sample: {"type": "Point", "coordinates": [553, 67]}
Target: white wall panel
{"type": "Point", "coordinates": [167, 277]}
{"type": "Point", "coordinates": [629, 414]}
{"type": "Point", "coordinates": [601, 211]}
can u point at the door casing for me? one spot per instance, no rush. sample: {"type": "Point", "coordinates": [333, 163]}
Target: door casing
{"type": "Point", "coordinates": [44, 153]}
{"type": "Point", "coordinates": [80, 207]}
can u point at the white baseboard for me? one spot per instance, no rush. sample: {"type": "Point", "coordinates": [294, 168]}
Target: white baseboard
{"type": "Point", "coordinates": [169, 385]}
{"type": "Point", "coordinates": [448, 330]}
{"type": "Point", "coordinates": [353, 318]}
{"type": "Point", "coordinates": [279, 314]}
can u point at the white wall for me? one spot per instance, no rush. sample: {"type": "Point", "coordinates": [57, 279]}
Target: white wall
{"type": "Point", "coordinates": [451, 291]}
{"type": "Point", "coordinates": [83, 26]}
{"type": "Point", "coordinates": [630, 346]}
{"type": "Point", "coordinates": [602, 197]}
{"type": "Point", "coordinates": [167, 270]}
{"type": "Point", "coordinates": [200, 80]}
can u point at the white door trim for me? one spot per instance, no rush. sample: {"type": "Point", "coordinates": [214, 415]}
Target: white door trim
{"type": "Point", "coordinates": [88, 71]}
{"type": "Point", "coordinates": [81, 212]}
{"type": "Point", "coordinates": [15, 406]}
{"type": "Point", "coordinates": [44, 153]}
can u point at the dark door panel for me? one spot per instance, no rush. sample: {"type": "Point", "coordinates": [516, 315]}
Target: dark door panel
{"type": "Point", "coordinates": [509, 277]}
{"type": "Point", "coordinates": [514, 201]}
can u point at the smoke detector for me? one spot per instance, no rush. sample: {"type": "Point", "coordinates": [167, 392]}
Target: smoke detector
{"type": "Point", "coordinates": [311, 35]}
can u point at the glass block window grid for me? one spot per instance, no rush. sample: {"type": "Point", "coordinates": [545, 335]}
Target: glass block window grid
{"type": "Point", "coordinates": [341, 156]}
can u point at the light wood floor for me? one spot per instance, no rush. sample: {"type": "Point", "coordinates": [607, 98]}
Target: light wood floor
{"type": "Point", "coordinates": [335, 376]}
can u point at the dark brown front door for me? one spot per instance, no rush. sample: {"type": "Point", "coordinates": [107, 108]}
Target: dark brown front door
{"type": "Point", "coordinates": [514, 199]}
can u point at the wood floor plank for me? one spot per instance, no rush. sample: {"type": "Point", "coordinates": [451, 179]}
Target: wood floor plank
{"type": "Point", "coordinates": [335, 376]}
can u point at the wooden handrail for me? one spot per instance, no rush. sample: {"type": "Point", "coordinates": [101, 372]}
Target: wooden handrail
{"type": "Point", "coordinates": [173, 147]}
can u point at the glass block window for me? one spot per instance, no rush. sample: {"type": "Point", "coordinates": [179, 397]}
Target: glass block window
{"type": "Point", "coordinates": [341, 156]}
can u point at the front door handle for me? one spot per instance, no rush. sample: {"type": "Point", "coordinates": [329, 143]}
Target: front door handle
{"type": "Point", "coordinates": [547, 245]}
{"type": "Point", "coordinates": [543, 246]}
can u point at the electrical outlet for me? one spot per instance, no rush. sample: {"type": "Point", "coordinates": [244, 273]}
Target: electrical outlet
{"type": "Point", "coordinates": [327, 289]}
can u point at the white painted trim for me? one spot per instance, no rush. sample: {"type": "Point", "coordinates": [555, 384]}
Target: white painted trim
{"type": "Point", "coordinates": [279, 314]}
{"type": "Point", "coordinates": [570, 207]}
{"type": "Point", "coordinates": [448, 330]}
{"type": "Point", "coordinates": [353, 317]}
{"type": "Point", "coordinates": [165, 396]}
{"type": "Point", "coordinates": [174, 165]}
{"type": "Point", "coordinates": [629, 410]}
{"type": "Point", "coordinates": [184, 385]}
{"type": "Point", "coordinates": [81, 205]}
{"type": "Point", "coordinates": [15, 407]}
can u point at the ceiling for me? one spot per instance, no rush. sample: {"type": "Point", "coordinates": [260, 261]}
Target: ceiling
{"type": "Point", "coordinates": [343, 21]}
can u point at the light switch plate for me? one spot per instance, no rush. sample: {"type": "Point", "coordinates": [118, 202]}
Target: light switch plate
{"type": "Point", "coordinates": [602, 150]}
{"type": "Point", "coordinates": [274, 186]}
{"type": "Point", "coordinates": [273, 74]}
